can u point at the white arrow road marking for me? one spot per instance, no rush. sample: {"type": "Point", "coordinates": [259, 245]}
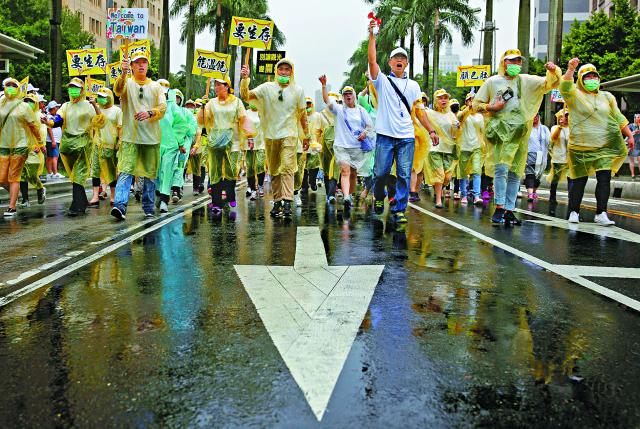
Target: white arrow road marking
{"type": "Point", "coordinates": [589, 271]}
{"type": "Point", "coordinates": [592, 228]}
{"type": "Point", "coordinates": [312, 312]}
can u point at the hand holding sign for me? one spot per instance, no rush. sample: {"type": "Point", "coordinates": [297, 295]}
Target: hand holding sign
{"type": "Point", "coordinates": [245, 72]}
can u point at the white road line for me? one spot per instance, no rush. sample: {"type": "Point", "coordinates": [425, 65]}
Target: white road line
{"type": "Point", "coordinates": [614, 272]}
{"type": "Point", "coordinates": [535, 214]}
{"type": "Point", "coordinates": [558, 269]}
{"type": "Point", "coordinates": [91, 258]}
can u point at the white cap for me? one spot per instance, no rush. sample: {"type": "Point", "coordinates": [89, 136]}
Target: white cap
{"type": "Point", "coordinates": [52, 104]}
{"type": "Point", "coordinates": [32, 88]}
{"type": "Point", "coordinates": [41, 99]}
{"type": "Point", "coordinates": [398, 51]}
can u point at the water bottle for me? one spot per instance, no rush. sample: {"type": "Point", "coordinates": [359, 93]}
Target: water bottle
{"type": "Point", "coordinates": [181, 160]}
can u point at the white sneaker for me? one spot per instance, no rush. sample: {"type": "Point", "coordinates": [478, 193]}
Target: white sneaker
{"type": "Point", "coordinates": [58, 176]}
{"type": "Point", "coordinates": [50, 176]}
{"type": "Point", "coordinates": [261, 191]}
{"type": "Point", "coordinates": [163, 207]}
{"type": "Point", "coordinates": [297, 200]}
{"type": "Point", "coordinates": [603, 219]}
{"type": "Point", "coordinates": [574, 218]}
{"type": "Point", "coordinates": [254, 196]}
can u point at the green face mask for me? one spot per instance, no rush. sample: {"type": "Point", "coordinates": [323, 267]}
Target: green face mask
{"type": "Point", "coordinates": [309, 110]}
{"type": "Point", "coordinates": [11, 91]}
{"type": "Point", "coordinates": [31, 104]}
{"type": "Point", "coordinates": [74, 92]}
{"type": "Point", "coordinates": [591, 84]}
{"type": "Point", "coordinates": [252, 107]}
{"type": "Point", "coordinates": [283, 79]}
{"type": "Point", "coordinates": [513, 69]}
{"type": "Point", "coordinates": [102, 101]}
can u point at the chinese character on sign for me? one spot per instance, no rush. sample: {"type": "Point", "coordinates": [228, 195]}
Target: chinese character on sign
{"type": "Point", "coordinates": [261, 69]}
{"type": "Point", "coordinates": [265, 34]}
{"type": "Point", "coordinates": [88, 59]}
{"type": "Point", "coordinates": [114, 73]}
{"type": "Point", "coordinates": [483, 75]}
{"type": "Point", "coordinates": [464, 75]}
{"type": "Point", "coordinates": [240, 31]}
{"type": "Point", "coordinates": [268, 68]}
{"type": "Point", "coordinates": [200, 61]}
{"type": "Point", "coordinates": [101, 61]}
{"type": "Point", "coordinates": [252, 32]}
{"type": "Point", "coordinates": [76, 62]}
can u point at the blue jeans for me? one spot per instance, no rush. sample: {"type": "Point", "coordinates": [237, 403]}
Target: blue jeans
{"type": "Point", "coordinates": [506, 185]}
{"type": "Point", "coordinates": [123, 187]}
{"type": "Point", "coordinates": [475, 184]}
{"type": "Point", "coordinates": [389, 149]}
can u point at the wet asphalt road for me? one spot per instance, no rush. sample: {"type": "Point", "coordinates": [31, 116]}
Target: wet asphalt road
{"type": "Point", "coordinates": [459, 333]}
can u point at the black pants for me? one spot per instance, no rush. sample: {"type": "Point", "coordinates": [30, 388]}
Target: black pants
{"type": "Point", "coordinates": [199, 180]}
{"type": "Point", "coordinates": [229, 186]}
{"type": "Point", "coordinates": [485, 182]}
{"type": "Point", "coordinates": [24, 191]}
{"type": "Point", "coordinates": [603, 190]}
{"type": "Point", "coordinates": [330, 186]}
{"type": "Point", "coordinates": [251, 181]}
{"type": "Point", "coordinates": [531, 181]}
{"type": "Point", "coordinates": [456, 185]}
{"type": "Point", "coordinates": [554, 189]}
{"type": "Point", "coordinates": [309, 179]}
{"type": "Point", "coordinates": [79, 199]}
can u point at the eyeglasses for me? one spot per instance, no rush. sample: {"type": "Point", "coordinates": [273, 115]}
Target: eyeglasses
{"type": "Point", "coordinates": [141, 94]}
{"type": "Point", "coordinates": [280, 95]}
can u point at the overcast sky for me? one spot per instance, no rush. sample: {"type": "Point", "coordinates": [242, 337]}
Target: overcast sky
{"type": "Point", "coordinates": [322, 35]}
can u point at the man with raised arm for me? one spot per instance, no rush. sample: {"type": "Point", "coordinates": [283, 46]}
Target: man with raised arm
{"type": "Point", "coordinates": [394, 127]}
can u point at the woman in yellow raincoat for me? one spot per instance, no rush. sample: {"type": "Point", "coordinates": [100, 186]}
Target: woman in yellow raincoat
{"type": "Point", "coordinates": [16, 122]}
{"type": "Point", "coordinates": [420, 151]}
{"type": "Point", "coordinates": [312, 166]}
{"type": "Point", "coordinates": [330, 169]}
{"type": "Point", "coordinates": [34, 166]}
{"type": "Point", "coordinates": [470, 148]}
{"type": "Point", "coordinates": [104, 159]}
{"type": "Point", "coordinates": [198, 154]}
{"type": "Point", "coordinates": [78, 119]}
{"type": "Point", "coordinates": [225, 119]}
{"type": "Point", "coordinates": [509, 101]}
{"type": "Point", "coordinates": [558, 153]}
{"type": "Point", "coordinates": [441, 158]}
{"type": "Point", "coordinates": [595, 145]}
{"type": "Point", "coordinates": [255, 155]}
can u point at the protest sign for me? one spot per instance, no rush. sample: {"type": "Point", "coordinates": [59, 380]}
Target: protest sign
{"type": "Point", "coordinates": [251, 33]}
{"type": "Point", "coordinates": [472, 75]}
{"type": "Point", "coordinates": [210, 64]}
{"type": "Point", "coordinates": [92, 86]}
{"type": "Point", "coordinates": [24, 85]}
{"type": "Point", "coordinates": [140, 45]}
{"type": "Point", "coordinates": [267, 61]}
{"type": "Point", "coordinates": [127, 23]}
{"type": "Point", "coordinates": [556, 97]}
{"type": "Point", "coordinates": [87, 61]}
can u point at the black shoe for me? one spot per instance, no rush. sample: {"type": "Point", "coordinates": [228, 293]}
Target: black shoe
{"type": "Point", "coordinates": [378, 207]}
{"type": "Point", "coordinates": [115, 212]}
{"type": "Point", "coordinates": [511, 219]}
{"type": "Point", "coordinates": [175, 197]}
{"type": "Point", "coordinates": [552, 208]}
{"type": "Point", "coordinates": [276, 211]}
{"type": "Point", "coordinates": [498, 216]}
{"type": "Point", "coordinates": [10, 212]}
{"type": "Point", "coordinates": [286, 211]}
{"type": "Point", "coordinates": [248, 193]}
{"type": "Point", "coordinates": [138, 196]}
{"type": "Point", "coordinates": [74, 213]}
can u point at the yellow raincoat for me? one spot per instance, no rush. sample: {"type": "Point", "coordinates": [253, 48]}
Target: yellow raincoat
{"type": "Point", "coordinates": [507, 132]}
{"type": "Point", "coordinates": [34, 165]}
{"type": "Point", "coordinates": [255, 158]}
{"type": "Point", "coordinates": [596, 141]}
{"type": "Point", "coordinates": [313, 157]}
{"type": "Point", "coordinates": [139, 153]}
{"type": "Point", "coordinates": [326, 136]}
{"type": "Point", "coordinates": [423, 142]}
{"type": "Point", "coordinates": [18, 126]}
{"type": "Point", "coordinates": [104, 160]}
{"type": "Point", "coordinates": [441, 159]}
{"type": "Point", "coordinates": [558, 150]}
{"type": "Point", "coordinates": [470, 143]}
{"type": "Point", "coordinates": [281, 109]}
{"type": "Point", "coordinates": [80, 122]}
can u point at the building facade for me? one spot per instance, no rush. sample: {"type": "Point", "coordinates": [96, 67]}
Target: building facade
{"type": "Point", "coordinates": [93, 17]}
{"type": "Point", "coordinates": [572, 10]}
{"type": "Point", "coordinates": [605, 5]}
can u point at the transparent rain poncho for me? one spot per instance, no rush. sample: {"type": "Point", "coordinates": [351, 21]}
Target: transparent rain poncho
{"type": "Point", "coordinates": [422, 142]}
{"type": "Point", "coordinates": [104, 159]}
{"type": "Point", "coordinates": [595, 141]}
{"type": "Point", "coordinates": [507, 132]}
{"type": "Point", "coordinates": [19, 122]}
{"type": "Point", "coordinates": [470, 143]}
{"type": "Point", "coordinates": [441, 158]}
{"type": "Point", "coordinates": [255, 158]}
{"type": "Point", "coordinates": [34, 165]}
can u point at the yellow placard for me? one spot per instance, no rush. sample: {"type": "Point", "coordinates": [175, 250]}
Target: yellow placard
{"type": "Point", "coordinates": [87, 61]}
{"type": "Point", "coordinates": [210, 64]}
{"type": "Point", "coordinates": [251, 33]}
{"type": "Point", "coordinates": [92, 86]}
{"type": "Point", "coordinates": [24, 85]}
{"type": "Point", "coordinates": [140, 45]}
{"type": "Point", "coordinates": [114, 70]}
{"type": "Point", "coordinates": [472, 75]}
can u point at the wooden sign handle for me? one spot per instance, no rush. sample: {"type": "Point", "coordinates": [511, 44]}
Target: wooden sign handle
{"type": "Point", "coordinates": [247, 56]}
{"type": "Point", "coordinates": [126, 49]}
{"type": "Point", "coordinates": [206, 94]}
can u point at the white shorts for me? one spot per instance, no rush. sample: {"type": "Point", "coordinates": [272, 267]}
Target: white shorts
{"type": "Point", "coordinates": [355, 157]}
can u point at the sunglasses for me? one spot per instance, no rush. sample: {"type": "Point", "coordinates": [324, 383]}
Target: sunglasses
{"type": "Point", "coordinates": [280, 95]}
{"type": "Point", "coordinates": [141, 94]}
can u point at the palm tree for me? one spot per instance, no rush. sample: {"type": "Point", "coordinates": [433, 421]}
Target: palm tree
{"type": "Point", "coordinates": [188, 34]}
{"type": "Point", "coordinates": [165, 42]}
{"type": "Point", "coordinates": [524, 28]}
{"type": "Point", "coordinates": [55, 42]}
{"type": "Point", "coordinates": [487, 51]}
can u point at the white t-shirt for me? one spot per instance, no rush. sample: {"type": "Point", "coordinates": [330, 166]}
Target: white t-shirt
{"type": "Point", "coordinates": [393, 119]}
{"type": "Point", "coordinates": [355, 116]}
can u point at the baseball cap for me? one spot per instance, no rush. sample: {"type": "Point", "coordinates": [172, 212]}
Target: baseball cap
{"type": "Point", "coordinates": [52, 104]}
{"type": "Point", "coordinates": [398, 51]}
{"type": "Point", "coordinates": [512, 54]}
{"type": "Point", "coordinates": [76, 82]}
{"type": "Point", "coordinates": [32, 88]}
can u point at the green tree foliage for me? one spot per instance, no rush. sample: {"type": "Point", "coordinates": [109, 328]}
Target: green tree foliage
{"type": "Point", "coordinates": [612, 44]}
{"type": "Point", "coordinates": [29, 23]}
